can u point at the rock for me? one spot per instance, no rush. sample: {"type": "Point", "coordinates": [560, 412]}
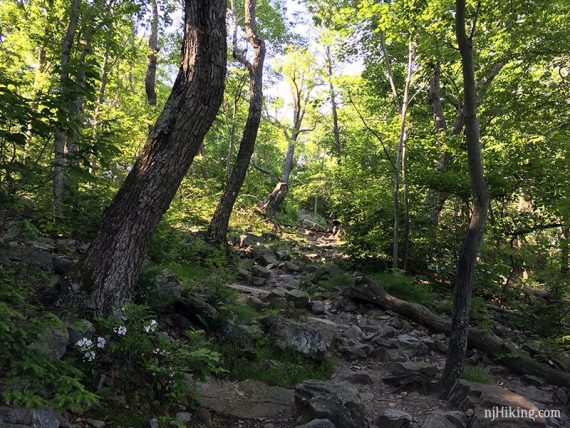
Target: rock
{"type": "Point", "coordinates": [291, 267]}
{"type": "Point", "coordinates": [299, 298]}
{"type": "Point", "coordinates": [244, 275]}
{"type": "Point", "coordinates": [393, 418]}
{"type": "Point", "coordinates": [204, 416]}
{"type": "Point", "coordinates": [285, 281]}
{"type": "Point", "coordinates": [31, 256]}
{"type": "Point", "coordinates": [154, 423]}
{"type": "Point", "coordinates": [183, 417]}
{"type": "Point", "coordinates": [256, 302]}
{"type": "Point", "coordinates": [414, 367]}
{"type": "Point", "coordinates": [96, 423]}
{"type": "Point", "coordinates": [360, 378]}
{"type": "Point", "coordinates": [270, 236]}
{"type": "Point", "coordinates": [167, 283]}
{"type": "Point", "coordinates": [241, 335]}
{"type": "Point", "coordinates": [80, 329]}
{"type": "Point", "coordinates": [386, 331]}
{"type": "Point", "coordinates": [246, 399]}
{"type": "Point", "coordinates": [317, 307]}
{"type": "Point", "coordinates": [52, 342]}
{"type": "Point", "coordinates": [337, 401]}
{"type": "Point", "coordinates": [443, 419]}
{"type": "Point", "coordinates": [260, 271]}
{"type": "Point", "coordinates": [484, 398]}
{"type": "Point", "coordinates": [30, 418]}
{"type": "Point", "coordinates": [388, 355]}
{"type": "Point", "coordinates": [266, 257]}
{"type": "Point", "coordinates": [302, 337]}
{"type": "Point", "coordinates": [353, 332]}
{"type": "Point", "coordinates": [533, 380]}
{"type": "Point", "coordinates": [258, 282]}
{"type": "Point", "coordinates": [409, 344]}
{"type": "Point", "coordinates": [61, 265]}
{"type": "Point", "coordinates": [561, 396]}
{"type": "Point", "coordinates": [245, 264]}
{"type": "Point", "coordinates": [535, 394]}
{"type": "Point", "coordinates": [356, 349]}
{"type": "Point", "coordinates": [249, 239]}
{"type": "Point", "coordinates": [318, 423]}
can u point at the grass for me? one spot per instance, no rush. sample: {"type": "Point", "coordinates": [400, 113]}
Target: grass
{"type": "Point", "coordinates": [476, 374]}
{"type": "Point", "coordinates": [273, 366]}
{"type": "Point", "coordinates": [406, 287]}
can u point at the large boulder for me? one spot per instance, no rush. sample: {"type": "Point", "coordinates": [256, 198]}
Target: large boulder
{"type": "Point", "coordinates": [446, 419]}
{"type": "Point", "coordinates": [17, 417]}
{"type": "Point", "coordinates": [31, 256]}
{"type": "Point", "coordinates": [318, 423]}
{"type": "Point", "coordinates": [337, 401]}
{"type": "Point", "coordinates": [53, 342]}
{"type": "Point", "coordinates": [494, 406]}
{"type": "Point", "coordinates": [301, 337]}
{"type": "Point", "coordinates": [394, 418]}
{"type": "Point", "coordinates": [246, 399]}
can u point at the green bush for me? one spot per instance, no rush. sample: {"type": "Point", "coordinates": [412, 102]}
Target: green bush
{"type": "Point", "coordinates": [406, 287]}
{"type": "Point", "coordinates": [29, 376]}
{"type": "Point", "coordinates": [476, 374]}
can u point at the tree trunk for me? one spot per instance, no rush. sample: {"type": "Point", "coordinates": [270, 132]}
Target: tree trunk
{"type": "Point", "coordinates": [474, 237]}
{"type": "Point", "coordinates": [564, 253]}
{"type": "Point", "coordinates": [367, 290]}
{"type": "Point", "coordinates": [399, 159]}
{"type": "Point", "coordinates": [106, 277]}
{"type": "Point", "coordinates": [435, 199]}
{"type": "Point", "coordinates": [218, 229]}
{"type": "Point", "coordinates": [150, 78]}
{"type": "Point", "coordinates": [64, 110]}
{"type": "Point", "coordinates": [332, 93]}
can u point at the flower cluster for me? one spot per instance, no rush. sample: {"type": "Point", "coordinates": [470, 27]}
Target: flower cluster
{"type": "Point", "coordinates": [151, 327]}
{"type": "Point", "coordinates": [85, 346]}
{"type": "Point", "coordinates": [121, 331]}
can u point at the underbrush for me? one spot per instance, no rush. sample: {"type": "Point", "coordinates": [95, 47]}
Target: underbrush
{"type": "Point", "coordinates": [406, 287]}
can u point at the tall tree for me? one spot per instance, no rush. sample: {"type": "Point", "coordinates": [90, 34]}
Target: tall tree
{"type": "Point", "coordinates": [298, 71]}
{"type": "Point", "coordinates": [473, 239]}
{"type": "Point", "coordinates": [64, 109]}
{"type": "Point", "coordinates": [150, 78]}
{"type": "Point", "coordinates": [107, 275]}
{"type": "Point", "coordinates": [219, 225]}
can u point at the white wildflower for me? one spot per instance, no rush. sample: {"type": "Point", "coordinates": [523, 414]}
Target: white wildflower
{"type": "Point", "coordinates": [151, 327]}
{"type": "Point", "coordinates": [121, 331]}
{"type": "Point", "coordinates": [101, 342]}
{"type": "Point", "coordinates": [84, 344]}
{"type": "Point", "coordinates": [89, 356]}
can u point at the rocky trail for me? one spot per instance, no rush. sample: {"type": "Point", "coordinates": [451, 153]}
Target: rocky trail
{"type": "Point", "coordinates": [387, 365]}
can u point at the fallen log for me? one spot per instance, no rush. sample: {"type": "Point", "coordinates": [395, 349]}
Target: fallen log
{"type": "Point", "coordinates": [365, 289]}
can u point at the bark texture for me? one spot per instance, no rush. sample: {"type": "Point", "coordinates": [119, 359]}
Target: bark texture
{"type": "Point", "coordinates": [332, 94]}
{"type": "Point", "coordinates": [474, 237]}
{"type": "Point", "coordinates": [369, 291]}
{"type": "Point", "coordinates": [107, 275]}
{"type": "Point", "coordinates": [218, 229]}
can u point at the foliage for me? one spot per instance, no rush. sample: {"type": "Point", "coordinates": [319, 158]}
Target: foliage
{"type": "Point", "coordinates": [30, 376]}
{"type": "Point", "coordinates": [477, 374]}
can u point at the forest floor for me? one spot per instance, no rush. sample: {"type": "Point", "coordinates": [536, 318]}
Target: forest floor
{"type": "Point", "coordinates": [369, 367]}
{"type": "Point", "coordinates": [392, 362]}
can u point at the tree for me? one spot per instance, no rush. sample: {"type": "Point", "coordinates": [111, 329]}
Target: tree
{"type": "Point", "coordinates": [219, 225]}
{"type": "Point", "coordinates": [473, 239]}
{"type": "Point", "coordinates": [64, 110]}
{"type": "Point", "coordinates": [150, 78]}
{"type": "Point", "coordinates": [302, 80]}
{"type": "Point", "coordinates": [106, 276]}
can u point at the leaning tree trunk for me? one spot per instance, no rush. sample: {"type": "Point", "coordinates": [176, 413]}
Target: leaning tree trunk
{"type": "Point", "coordinates": [150, 78]}
{"type": "Point", "coordinates": [473, 239]}
{"type": "Point", "coordinates": [63, 113]}
{"type": "Point", "coordinates": [107, 275]}
{"type": "Point", "coordinates": [218, 229]}
{"type": "Point", "coordinates": [279, 193]}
